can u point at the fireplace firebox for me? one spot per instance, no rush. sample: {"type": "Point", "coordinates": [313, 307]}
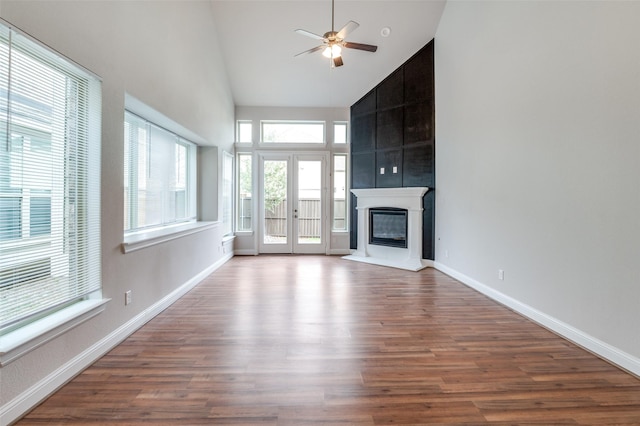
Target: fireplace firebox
{"type": "Point", "coordinates": [388, 227]}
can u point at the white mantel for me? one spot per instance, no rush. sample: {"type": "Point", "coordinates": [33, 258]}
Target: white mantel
{"type": "Point", "coordinates": [409, 258]}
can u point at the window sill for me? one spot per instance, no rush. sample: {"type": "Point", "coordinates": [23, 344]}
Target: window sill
{"type": "Point", "coordinates": [25, 339]}
{"type": "Point", "coordinates": [140, 240]}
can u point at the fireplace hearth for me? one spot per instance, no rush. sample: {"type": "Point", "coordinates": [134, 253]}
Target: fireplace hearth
{"type": "Point", "coordinates": [382, 214]}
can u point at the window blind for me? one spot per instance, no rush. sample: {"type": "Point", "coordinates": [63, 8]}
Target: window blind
{"type": "Point", "coordinates": [159, 175]}
{"type": "Point", "coordinates": [50, 112]}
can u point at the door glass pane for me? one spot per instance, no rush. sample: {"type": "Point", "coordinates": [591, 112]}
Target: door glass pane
{"type": "Point", "coordinates": [275, 202]}
{"type": "Point", "coordinates": [309, 202]}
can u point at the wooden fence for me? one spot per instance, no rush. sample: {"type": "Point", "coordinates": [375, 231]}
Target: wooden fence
{"type": "Point", "coordinates": [309, 217]}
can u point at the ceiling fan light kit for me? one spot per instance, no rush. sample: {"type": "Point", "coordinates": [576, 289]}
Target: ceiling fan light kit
{"type": "Point", "coordinates": [334, 42]}
{"type": "Point", "coordinates": [332, 51]}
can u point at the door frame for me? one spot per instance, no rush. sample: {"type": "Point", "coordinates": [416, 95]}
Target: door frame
{"type": "Point", "coordinates": [292, 158]}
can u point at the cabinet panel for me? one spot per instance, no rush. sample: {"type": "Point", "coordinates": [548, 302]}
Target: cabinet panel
{"type": "Point", "coordinates": [365, 105]}
{"type": "Point", "coordinates": [418, 166]}
{"type": "Point", "coordinates": [389, 128]}
{"type": "Point", "coordinates": [388, 160]}
{"type": "Point", "coordinates": [428, 225]}
{"type": "Point", "coordinates": [353, 232]}
{"type": "Point", "coordinates": [419, 119]}
{"type": "Point", "coordinates": [418, 76]}
{"type": "Point", "coordinates": [363, 174]}
{"type": "Point", "coordinates": [390, 92]}
{"type": "Point", "coordinates": [363, 133]}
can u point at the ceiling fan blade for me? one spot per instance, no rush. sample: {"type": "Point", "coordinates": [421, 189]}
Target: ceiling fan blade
{"type": "Point", "coordinates": [309, 34]}
{"type": "Point", "coordinates": [349, 27]}
{"type": "Point", "coordinates": [360, 46]}
{"type": "Point", "coordinates": [337, 61]}
{"type": "Point", "coordinates": [315, 49]}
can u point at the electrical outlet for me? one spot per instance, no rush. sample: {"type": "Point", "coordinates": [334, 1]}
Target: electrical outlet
{"type": "Point", "coordinates": [127, 297]}
{"type": "Point", "coordinates": [446, 254]}
{"type": "Point", "coordinates": [500, 274]}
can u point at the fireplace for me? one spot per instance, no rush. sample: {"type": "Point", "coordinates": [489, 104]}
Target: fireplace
{"type": "Point", "coordinates": [390, 227]}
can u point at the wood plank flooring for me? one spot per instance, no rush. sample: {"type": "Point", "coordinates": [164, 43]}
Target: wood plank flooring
{"type": "Point", "coordinates": [294, 340]}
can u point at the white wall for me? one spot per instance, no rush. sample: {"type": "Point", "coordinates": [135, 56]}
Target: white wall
{"type": "Point", "coordinates": [538, 161]}
{"type": "Point", "coordinates": [166, 55]}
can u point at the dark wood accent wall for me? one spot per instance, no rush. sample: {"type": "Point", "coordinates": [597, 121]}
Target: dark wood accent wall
{"type": "Point", "coordinates": [393, 126]}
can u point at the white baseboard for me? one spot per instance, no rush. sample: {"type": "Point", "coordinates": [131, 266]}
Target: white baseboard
{"type": "Point", "coordinates": [339, 252]}
{"type": "Point", "coordinates": [246, 252]}
{"type": "Point", "coordinates": [24, 402]}
{"type": "Point", "coordinates": [610, 353]}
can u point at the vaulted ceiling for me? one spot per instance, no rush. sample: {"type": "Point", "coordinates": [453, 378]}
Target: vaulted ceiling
{"type": "Point", "coordinates": [259, 42]}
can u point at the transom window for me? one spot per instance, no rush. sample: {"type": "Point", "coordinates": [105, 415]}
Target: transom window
{"type": "Point", "coordinates": [340, 133]}
{"type": "Point", "coordinates": [244, 131]}
{"type": "Point", "coordinates": [293, 132]}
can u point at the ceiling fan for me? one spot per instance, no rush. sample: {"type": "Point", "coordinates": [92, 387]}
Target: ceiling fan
{"type": "Point", "coordinates": [333, 42]}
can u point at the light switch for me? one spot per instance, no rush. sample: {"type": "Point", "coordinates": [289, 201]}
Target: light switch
{"type": "Point", "coordinates": [395, 169]}
{"type": "Point", "coordinates": [381, 170]}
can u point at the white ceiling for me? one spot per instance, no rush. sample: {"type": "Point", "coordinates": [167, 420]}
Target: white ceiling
{"type": "Point", "coordinates": [259, 43]}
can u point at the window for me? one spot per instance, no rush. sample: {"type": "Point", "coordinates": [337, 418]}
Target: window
{"type": "Point", "coordinates": [244, 132]}
{"type": "Point", "coordinates": [245, 190]}
{"type": "Point", "coordinates": [293, 131]}
{"type": "Point", "coordinates": [227, 193]}
{"type": "Point", "coordinates": [49, 182]}
{"type": "Point", "coordinates": [159, 176]}
{"type": "Point", "coordinates": [339, 192]}
{"type": "Point", "coordinates": [340, 133]}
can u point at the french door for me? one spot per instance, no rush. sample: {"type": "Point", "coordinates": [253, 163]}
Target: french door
{"type": "Point", "coordinates": [293, 208]}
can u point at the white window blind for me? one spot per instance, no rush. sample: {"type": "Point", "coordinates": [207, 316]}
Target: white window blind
{"type": "Point", "coordinates": [159, 175]}
{"type": "Point", "coordinates": [50, 112]}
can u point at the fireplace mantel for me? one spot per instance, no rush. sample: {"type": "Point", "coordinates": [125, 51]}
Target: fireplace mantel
{"type": "Point", "coordinates": [409, 198]}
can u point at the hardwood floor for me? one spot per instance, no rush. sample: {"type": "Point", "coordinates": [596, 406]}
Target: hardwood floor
{"type": "Point", "coordinates": [294, 340]}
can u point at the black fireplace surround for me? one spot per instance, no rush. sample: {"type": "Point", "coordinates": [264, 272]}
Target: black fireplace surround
{"type": "Point", "coordinates": [393, 126]}
{"type": "Point", "coordinates": [388, 227]}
